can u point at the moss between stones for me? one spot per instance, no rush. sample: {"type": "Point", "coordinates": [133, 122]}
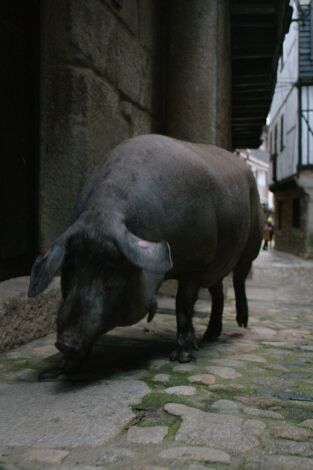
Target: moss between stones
{"type": "Point", "coordinates": [158, 399]}
{"type": "Point", "coordinates": [14, 364]}
{"type": "Point", "coordinates": [173, 428]}
{"type": "Point", "coordinates": [292, 357]}
{"type": "Point", "coordinates": [175, 380]}
{"type": "Point", "coordinates": [150, 412]}
{"type": "Point", "coordinates": [295, 413]}
{"type": "Point", "coordinates": [158, 417]}
{"type": "Point", "coordinates": [153, 401]}
{"type": "Point", "coordinates": [304, 388]}
{"type": "Point", "coordinates": [17, 364]}
{"type": "Point", "coordinates": [11, 367]}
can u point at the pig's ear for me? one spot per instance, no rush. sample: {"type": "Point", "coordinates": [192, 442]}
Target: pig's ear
{"type": "Point", "coordinates": [154, 257]}
{"type": "Point", "coordinates": [45, 267]}
{"type": "Point", "coordinates": [49, 263]}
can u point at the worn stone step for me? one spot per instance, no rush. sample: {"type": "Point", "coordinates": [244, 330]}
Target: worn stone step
{"type": "Point", "coordinates": [23, 319]}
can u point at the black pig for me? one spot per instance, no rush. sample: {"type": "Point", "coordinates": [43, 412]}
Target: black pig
{"type": "Point", "coordinates": [156, 208]}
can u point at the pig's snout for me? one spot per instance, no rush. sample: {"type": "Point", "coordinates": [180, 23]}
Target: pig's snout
{"type": "Point", "coordinates": [69, 348]}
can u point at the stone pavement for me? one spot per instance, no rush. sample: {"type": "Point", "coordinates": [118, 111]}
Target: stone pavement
{"type": "Point", "coordinates": [246, 402]}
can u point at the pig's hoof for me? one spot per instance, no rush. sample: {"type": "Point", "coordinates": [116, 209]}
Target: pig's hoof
{"type": "Point", "coordinates": [242, 320]}
{"type": "Point", "coordinates": [209, 338]}
{"type": "Point", "coordinates": [185, 344]}
{"type": "Point", "coordinates": [212, 334]}
{"type": "Point", "coordinates": [51, 374]}
{"type": "Point", "coordinates": [181, 356]}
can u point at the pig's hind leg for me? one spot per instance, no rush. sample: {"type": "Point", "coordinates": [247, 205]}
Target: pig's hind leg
{"type": "Point", "coordinates": [215, 324]}
{"type": "Point", "coordinates": [186, 298]}
{"type": "Point", "coordinates": [240, 274]}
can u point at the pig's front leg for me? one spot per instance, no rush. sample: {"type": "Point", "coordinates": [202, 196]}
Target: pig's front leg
{"type": "Point", "coordinates": [152, 309]}
{"type": "Point", "coordinates": [186, 298]}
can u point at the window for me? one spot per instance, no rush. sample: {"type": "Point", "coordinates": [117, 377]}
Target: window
{"type": "Point", "coordinates": [296, 213]}
{"type": "Point", "coordinates": [282, 133]}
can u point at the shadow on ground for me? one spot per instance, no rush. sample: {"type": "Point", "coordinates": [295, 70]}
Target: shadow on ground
{"type": "Point", "coordinates": [118, 356]}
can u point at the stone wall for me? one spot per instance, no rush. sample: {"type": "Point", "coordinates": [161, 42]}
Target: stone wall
{"type": "Point", "coordinates": [199, 72]}
{"type": "Point", "coordinates": [102, 82]}
{"type": "Point", "coordinates": [306, 182]}
{"type": "Point", "coordinates": [109, 73]}
{"type": "Point", "coordinates": [288, 238]}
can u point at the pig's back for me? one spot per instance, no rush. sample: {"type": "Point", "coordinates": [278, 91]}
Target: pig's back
{"type": "Point", "coordinates": [197, 197]}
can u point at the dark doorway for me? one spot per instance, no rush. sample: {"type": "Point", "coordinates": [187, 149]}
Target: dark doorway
{"type": "Point", "coordinates": [19, 135]}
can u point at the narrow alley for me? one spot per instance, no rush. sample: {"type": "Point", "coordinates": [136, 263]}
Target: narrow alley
{"type": "Point", "coordinates": [246, 402]}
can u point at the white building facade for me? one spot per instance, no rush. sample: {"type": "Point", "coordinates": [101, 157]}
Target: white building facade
{"type": "Point", "coordinates": [291, 136]}
{"type": "Point", "coordinates": [259, 163]}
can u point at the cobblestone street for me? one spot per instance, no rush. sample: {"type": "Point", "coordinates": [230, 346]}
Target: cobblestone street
{"type": "Point", "coordinates": [246, 402]}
